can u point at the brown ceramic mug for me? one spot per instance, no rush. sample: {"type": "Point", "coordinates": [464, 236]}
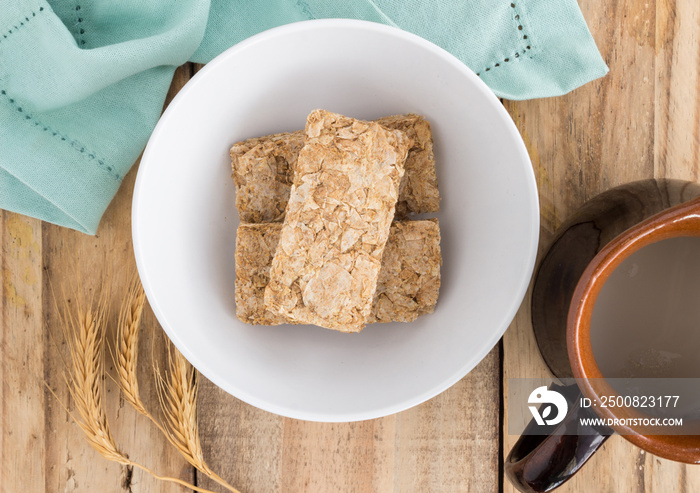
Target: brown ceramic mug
{"type": "Point", "coordinates": [586, 251]}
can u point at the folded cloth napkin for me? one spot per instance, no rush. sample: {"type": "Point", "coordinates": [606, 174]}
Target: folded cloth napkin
{"type": "Point", "coordinates": [82, 82]}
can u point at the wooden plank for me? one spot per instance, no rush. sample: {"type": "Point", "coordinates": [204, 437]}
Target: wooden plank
{"type": "Point", "coordinates": [597, 137]}
{"type": "Point", "coordinates": [241, 443]}
{"type": "Point", "coordinates": [642, 120]}
{"type": "Point", "coordinates": [106, 258]}
{"type": "Point", "coordinates": [78, 468]}
{"type": "Point", "coordinates": [676, 155]}
{"type": "Point", "coordinates": [449, 443]}
{"type": "Point", "coordinates": [22, 342]}
{"type": "Point", "coordinates": [677, 115]}
{"type": "Point", "coordinates": [327, 456]}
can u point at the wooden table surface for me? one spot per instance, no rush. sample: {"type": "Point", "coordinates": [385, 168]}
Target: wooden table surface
{"type": "Point", "coordinates": [641, 120]}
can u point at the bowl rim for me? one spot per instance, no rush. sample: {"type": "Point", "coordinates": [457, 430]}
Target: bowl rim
{"type": "Point", "coordinates": [498, 329]}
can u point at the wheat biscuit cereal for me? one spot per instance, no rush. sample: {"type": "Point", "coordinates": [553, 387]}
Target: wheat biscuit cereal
{"type": "Point", "coordinates": [408, 284]}
{"type": "Point", "coordinates": [262, 174]}
{"type": "Point", "coordinates": [263, 168]}
{"type": "Point", "coordinates": [341, 205]}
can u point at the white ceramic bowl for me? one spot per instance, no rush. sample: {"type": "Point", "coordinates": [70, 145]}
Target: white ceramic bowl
{"type": "Point", "coordinates": [184, 219]}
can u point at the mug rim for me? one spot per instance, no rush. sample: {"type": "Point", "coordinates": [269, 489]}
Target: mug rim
{"type": "Point", "coordinates": [681, 220]}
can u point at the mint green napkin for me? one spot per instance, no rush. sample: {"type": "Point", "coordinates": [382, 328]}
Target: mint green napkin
{"type": "Point", "coordinates": [82, 83]}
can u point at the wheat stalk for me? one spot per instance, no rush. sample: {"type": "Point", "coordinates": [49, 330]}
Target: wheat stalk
{"type": "Point", "coordinates": [84, 330]}
{"type": "Point", "coordinates": [126, 355]}
{"type": "Point", "coordinates": [84, 333]}
{"type": "Point", "coordinates": [177, 393]}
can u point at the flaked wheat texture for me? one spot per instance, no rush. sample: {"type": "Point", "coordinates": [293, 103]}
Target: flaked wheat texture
{"type": "Point", "coordinates": [262, 173]}
{"type": "Point", "coordinates": [408, 284]}
{"type": "Point", "coordinates": [263, 168]}
{"type": "Point", "coordinates": [418, 192]}
{"type": "Point", "coordinates": [341, 205]}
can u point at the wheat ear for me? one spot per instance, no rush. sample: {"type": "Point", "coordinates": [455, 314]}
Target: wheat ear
{"type": "Point", "coordinates": [128, 342]}
{"type": "Point", "coordinates": [84, 334]}
{"type": "Point", "coordinates": [126, 355]}
{"type": "Point", "coordinates": [180, 428]}
{"type": "Point", "coordinates": [177, 393]}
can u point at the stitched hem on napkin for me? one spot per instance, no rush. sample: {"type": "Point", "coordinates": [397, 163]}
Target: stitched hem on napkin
{"type": "Point", "coordinates": [557, 53]}
{"type": "Point", "coordinates": [550, 52]}
{"type": "Point", "coordinates": [26, 158]}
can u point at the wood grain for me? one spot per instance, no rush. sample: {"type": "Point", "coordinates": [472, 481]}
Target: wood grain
{"type": "Point", "coordinates": [449, 444]}
{"type": "Point", "coordinates": [641, 120]}
{"type": "Point", "coordinates": [677, 104]}
{"type": "Point", "coordinates": [76, 263]}
{"type": "Point", "coordinates": [42, 264]}
{"type": "Point", "coordinates": [23, 430]}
